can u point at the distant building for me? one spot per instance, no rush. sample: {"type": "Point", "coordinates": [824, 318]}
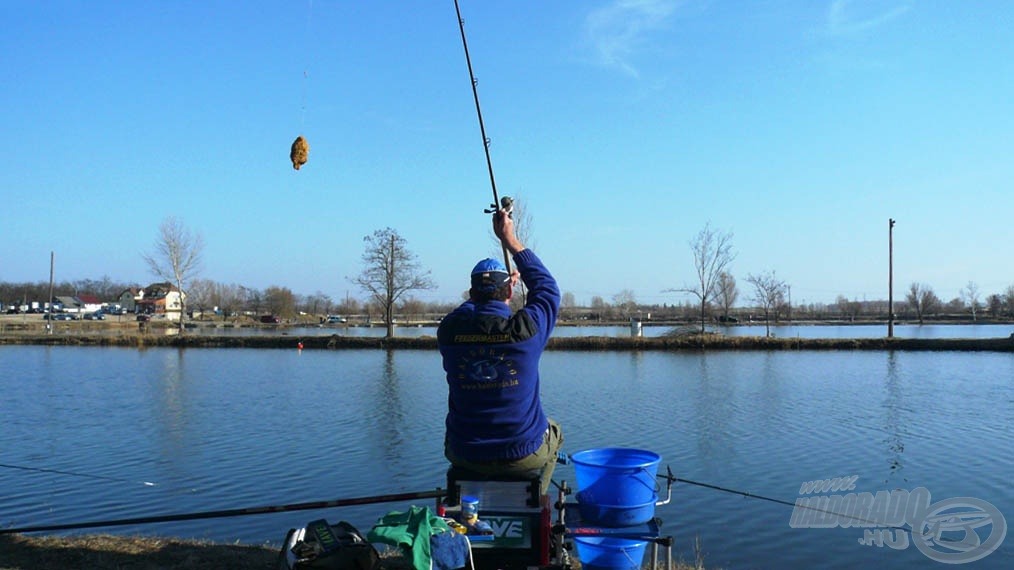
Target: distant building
{"type": "Point", "coordinates": [89, 303]}
{"type": "Point", "coordinates": [161, 299]}
{"type": "Point", "coordinates": [129, 297]}
{"type": "Point", "coordinates": [69, 304]}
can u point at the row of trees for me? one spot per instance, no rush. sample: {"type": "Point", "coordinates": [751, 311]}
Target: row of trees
{"type": "Point", "coordinates": [390, 272]}
{"type": "Point", "coordinates": [715, 288]}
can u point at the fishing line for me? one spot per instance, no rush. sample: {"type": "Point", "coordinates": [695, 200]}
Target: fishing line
{"type": "Point", "coordinates": [93, 476]}
{"type": "Point", "coordinates": [497, 203]}
{"type": "Point", "coordinates": [75, 474]}
{"type": "Point", "coordinates": [306, 67]}
{"type": "Point", "coordinates": [749, 495]}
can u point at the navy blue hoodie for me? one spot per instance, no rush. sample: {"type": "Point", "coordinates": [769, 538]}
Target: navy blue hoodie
{"type": "Point", "coordinates": [492, 362]}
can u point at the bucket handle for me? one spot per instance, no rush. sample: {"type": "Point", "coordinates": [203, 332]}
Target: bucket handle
{"type": "Point", "coordinates": [656, 487]}
{"type": "Point", "coordinates": [626, 554]}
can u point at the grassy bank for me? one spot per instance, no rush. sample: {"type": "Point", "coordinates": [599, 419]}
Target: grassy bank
{"type": "Point", "coordinates": [22, 552]}
{"type": "Point", "coordinates": [108, 552]}
{"type": "Point", "coordinates": [665, 343]}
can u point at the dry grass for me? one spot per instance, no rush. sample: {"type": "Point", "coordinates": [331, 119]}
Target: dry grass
{"type": "Point", "coordinates": [108, 552]}
{"type": "Point", "coordinates": [23, 552]}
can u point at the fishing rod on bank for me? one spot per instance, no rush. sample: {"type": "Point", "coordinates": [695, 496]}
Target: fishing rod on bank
{"type": "Point", "coordinates": [434, 494]}
{"type": "Point", "coordinates": [499, 203]}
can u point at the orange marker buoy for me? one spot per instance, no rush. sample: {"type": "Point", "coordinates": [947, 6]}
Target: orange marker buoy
{"type": "Point", "coordinates": [300, 346]}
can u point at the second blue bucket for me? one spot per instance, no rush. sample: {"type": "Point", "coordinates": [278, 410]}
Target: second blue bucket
{"type": "Point", "coordinates": [605, 553]}
{"type": "Point", "coordinates": [616, 485]}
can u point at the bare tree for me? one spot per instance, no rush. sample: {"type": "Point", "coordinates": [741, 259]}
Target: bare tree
{"type": "Point", "coordinates": [768, 293]}
{"type": "Point", "coordinates": [253, 299]}
{"type": "Point", "coordinates": [318, 303]}
{"type": "Point", "coordinates": [625, 302]}
{"type": "Point", "coordinates": [390, 270]}
{"type": "Point", "coordinates": [727, 292]}
{"type": "Point", "coordinates": [970, 295]}
{"type": "Point", "coordinates": [598, 306]}
{"type": "Point", "coordinates": [713, 253]}
{"type": "Point", "coordinates": [229, 298]}
{"type": "Point", "coordinates": [922, 298]}
{"type": "Point", "coordinates": [1008, 299]}
{"type": "Point", "coordinates": [176, 257]}
{"type": "Point", "coordinates": [994, 305]}
{"type": "Point", "coordinates": [200, 293]}
{"type": "Point", "coordinates": [281, 301]}
{"type": "Point", "coordinates": [568, 301]}
{"type": "Point", "coordinates": [413, 309]}
{"type": "Point", "coordinates": [567, 305]}
{"type": "Point", "coordinates": [850, 309]}
{"type": "Point", "coordinates": [349, 306]}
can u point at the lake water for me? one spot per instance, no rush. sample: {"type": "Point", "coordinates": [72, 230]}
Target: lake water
{"type": "Point", "coordinates": [234, 428]}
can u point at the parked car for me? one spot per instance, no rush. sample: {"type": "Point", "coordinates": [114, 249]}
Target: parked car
{"type": "Point", "coordinates": [143, 317]}
{"type": "Point", "coordinates": [96, 316]}
{"type": "Point", "coordinates": [334, 319]}
{"type": "Point", "coordinates": [270, 319]}
{"type": "Point", "coordinates": [58, 317]}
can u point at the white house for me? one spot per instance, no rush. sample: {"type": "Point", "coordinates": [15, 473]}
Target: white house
{"type": "Point", "coordinates": [161, 299]}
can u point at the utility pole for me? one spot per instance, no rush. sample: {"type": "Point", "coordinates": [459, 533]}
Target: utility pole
{"type": "Point", "coordinates": [49, 323]}
{"type": "Point", "coordinates": [890, 278]}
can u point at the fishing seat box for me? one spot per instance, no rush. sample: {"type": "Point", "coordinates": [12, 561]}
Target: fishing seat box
{"type": "Point", "coordinates": [517, 513]}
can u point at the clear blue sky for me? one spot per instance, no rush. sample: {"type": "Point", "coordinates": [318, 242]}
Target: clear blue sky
{"type": "Point", "coordinates": [800, 126]}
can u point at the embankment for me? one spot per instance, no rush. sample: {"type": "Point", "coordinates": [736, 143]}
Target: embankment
{"type": "Point", "coordinates": [678, 343]}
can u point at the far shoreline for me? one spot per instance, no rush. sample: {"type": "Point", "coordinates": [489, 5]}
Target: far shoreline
{"type": "Point", "coordinates": [695, 342]}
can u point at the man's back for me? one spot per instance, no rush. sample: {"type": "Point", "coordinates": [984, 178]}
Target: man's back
{"type": "Point", "coordinates": [492, 362]}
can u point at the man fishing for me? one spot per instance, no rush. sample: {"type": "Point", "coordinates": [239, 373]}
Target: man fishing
{"type": "Point", "coordinates": [495, 421]}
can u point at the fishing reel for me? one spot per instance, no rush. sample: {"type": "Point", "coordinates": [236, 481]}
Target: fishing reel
{"type": "Point", "coordinates": [506, 203]}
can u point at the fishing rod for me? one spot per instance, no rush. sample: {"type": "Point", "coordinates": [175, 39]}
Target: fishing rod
{"type": "Point", "coordinates": [498, 203]}
{"type": "Point", "coordinates": [437, 493]}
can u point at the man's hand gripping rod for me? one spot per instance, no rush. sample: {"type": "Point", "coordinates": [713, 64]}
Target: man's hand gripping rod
{"type": "Point", "coordinates": [506, 203]}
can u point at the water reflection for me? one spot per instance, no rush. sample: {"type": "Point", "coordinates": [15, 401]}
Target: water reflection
{"type": "Point", "coordinates": [770, 399]}
{"type": "Point", "coordinates": [172, 409]}
{"type": "Point", "coordinates": [389, 409]}
{"type": "Point", "coordinates": [893, 407]}
{"type": "Point", "coordinates": [713, 412]}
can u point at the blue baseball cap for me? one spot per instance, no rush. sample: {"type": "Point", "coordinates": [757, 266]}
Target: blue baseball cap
{"type": "Point", "coordinates": [489, 275]}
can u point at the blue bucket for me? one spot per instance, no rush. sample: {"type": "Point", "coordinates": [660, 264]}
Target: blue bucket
{"type": "Point", "coordinates": [616, 485]}
{"type": "Point", "coordinates": [616, 515]}
{"type": "Point", "coordinates": [607, 553]}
